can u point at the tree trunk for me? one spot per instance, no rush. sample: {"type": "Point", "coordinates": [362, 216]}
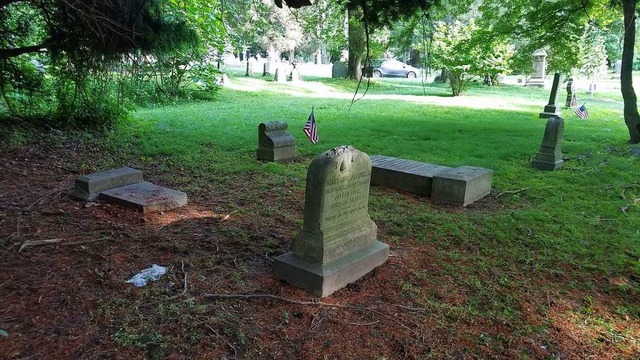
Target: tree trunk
{"type": "Point", "coordinates": [356, 42]}
{"type": "Point", "coordinates": [631, 116]}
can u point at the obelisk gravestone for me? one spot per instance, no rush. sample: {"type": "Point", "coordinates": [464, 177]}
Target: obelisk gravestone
{"type": "Point", "coordinates": [552, 108]}
{"type": "Point", "coordinates": [550, 155]}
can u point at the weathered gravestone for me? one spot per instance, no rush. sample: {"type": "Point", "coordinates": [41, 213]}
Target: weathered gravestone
{"type": "Point", "coordinates": [337, 244]}
{"type": "Point", "coordinates": [89, 187]}
{"type": "Point", "coordinates": [339, 70]}
{"type": "Point", "coordinates": [539, 69]}
{"type": "Point", "coordinates": [145, 197]}
{"type": "Point", "coordinates": [124, 186]}
{"type": "Point", "coordinates": [462, 185]}
{"type": "Point", "coordinates": [281, 72]}
{"type": "Point", "coordinates": [405, 175]}
{"type": "Point", "coordinates": [571, 94]}
{"type": "Point", "coordinates": [617, 69]}
{"type": "Point", "coordinates": [552, 108]}
{"type": "Point", "coordinates": [550, 155]}
{"type": "Point", "coordinates": [275, 143]}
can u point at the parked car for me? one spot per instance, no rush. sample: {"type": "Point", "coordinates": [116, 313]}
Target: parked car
{"type": "Point", "coordinates": [395, 68]}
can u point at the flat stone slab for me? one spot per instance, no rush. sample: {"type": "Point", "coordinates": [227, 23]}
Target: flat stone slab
{"type": "Point", "coordinates": [88, 187]}
{"type": "Point", "coordinates": [145, 197]}
{"type": "Point", "coordinates": [323, 280]}
{"type": "Point", "coordinates": [406, 175]}
{"type": "Point", "coordinates": [462, 185]}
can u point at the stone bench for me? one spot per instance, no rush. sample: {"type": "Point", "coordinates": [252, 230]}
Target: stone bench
{"type": "Point", "coordinates": [462, 185]}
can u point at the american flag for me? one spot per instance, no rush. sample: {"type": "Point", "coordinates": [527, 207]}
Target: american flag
{"type": "Point", "coordinates": [582, 112]}
{"type": "Point", "coordinates": [574, 101]}
{"type": "Point", "coordinates": [311, 128]}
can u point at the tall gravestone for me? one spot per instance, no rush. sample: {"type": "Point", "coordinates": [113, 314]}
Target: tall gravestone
{"type": "Point", "coordinates": [339, 70]}
{"type": "Point", "coordinates": [337, 244]}
{"type": "Point", "coordinates": [552, 108]}
{"type": "Point", "coordinates": [539, 69]}
{"type": "Point", "coordinates": [550, 155]}
{"type": "Point", "coordinates": [275, 143]}
{"type": "Point", "coordinates": [571, 94]}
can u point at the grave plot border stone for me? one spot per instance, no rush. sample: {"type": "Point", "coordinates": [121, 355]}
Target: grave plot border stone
{"type": "Point", "coordinates": [338, 243]}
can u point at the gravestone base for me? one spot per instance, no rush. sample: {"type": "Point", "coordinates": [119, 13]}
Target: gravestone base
{"type": "Point", "coordinates": [535, 82]}
{"type": "Point", "coordinates": [145, 197]}
{"type": "Point", "coordinates": [283, 154]}
{"type": "Point", "coordinates": [462, 185]}
{"type": "Point", "coordinates": [550, 111]}
{"type": "Point", "coordinates": [547, 160]}
{"type": "Point", "coordinates": [323, 280]}
{"type": "Point", "coordinates": [89, 187]}
{"type": "Point", "coordinates": [405, 175]}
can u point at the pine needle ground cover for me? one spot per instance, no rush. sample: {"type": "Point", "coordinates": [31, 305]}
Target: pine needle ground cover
{"type": "Point", "coordinates": [546, 266]}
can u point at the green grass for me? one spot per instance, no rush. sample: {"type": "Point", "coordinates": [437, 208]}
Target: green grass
{"type": "Point", "coordinates": [567, 225]}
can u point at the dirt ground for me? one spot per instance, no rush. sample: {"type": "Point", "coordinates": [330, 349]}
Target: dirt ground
{"type": "Point", "coordinates": [64, 264]}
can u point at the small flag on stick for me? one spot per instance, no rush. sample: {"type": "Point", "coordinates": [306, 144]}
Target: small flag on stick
{"type": "Point", "coordinates": [311, 128]}
{"type": "Point", "coordinates": [582, 112]}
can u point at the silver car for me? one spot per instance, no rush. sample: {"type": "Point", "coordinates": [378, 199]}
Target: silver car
{"type": "Point", "coordinates": [395, 68]}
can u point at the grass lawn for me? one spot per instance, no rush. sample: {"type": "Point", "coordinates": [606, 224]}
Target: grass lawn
{"type": "Point", "coordinates": [547, 266]}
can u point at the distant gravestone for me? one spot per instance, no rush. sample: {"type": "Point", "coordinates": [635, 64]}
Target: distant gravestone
{"type": "Point", "coordinates": [266, 69]}
{"type": "Point", "coordinates": [571, 94]}
{"type": "Point", "coordinates": [550, 155]}
{"type": "Point", "coordinates": [552, 108]}
{"type": "Point", "coordinates": [281, 74]}
{"type": "Point", "coordinates": [617, 69]}
{"type": "Point", "coordinates": [539, 69]}
{"type": "Point", "coordinates": [275, 143]}
{"type": "Point", "coordinates": [339, 70]}
{"type": "Point", "coordinates": [337, 244]}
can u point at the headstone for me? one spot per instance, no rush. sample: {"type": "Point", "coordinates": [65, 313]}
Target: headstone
{"type": "Point", "coordinates": [405, 175]}
{"type": "Point", "coordinates": [266, 69]}
{"type": "Point", "coordinates": [539, 69]}
{"type": "Point", "coordinates": [281, 74]}
{"type": "Point", "coordinates": [617, 69]}
{"type": "Point", "coordinates": [552, 108]}
{"type": "Point", "coordinates": [550, 155]}
{"type": "Point", "coordinates": [145, 197]}
{"type": "Point", "coordinates": [462, 185]}
{"type": "Point", "coordinates": [339, 70]}
{"type": "Point", "coordinates": [275, 143]}
{"type": "Point", "coordinates": [337, 244]}
{"type": "Point", "coordinates": [88, 187]}
{"type": "Point", "coordinates": [571, 93]}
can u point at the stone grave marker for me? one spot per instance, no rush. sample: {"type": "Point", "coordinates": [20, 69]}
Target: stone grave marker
{"type": "Point", "coordinates": [405, 175]}
{"type": "Point", "coordinates": [88, 187]}
{"type": "Point", "coordinates": [145, 197]}
{"type": "Point", "coordinates": [550, 155]}
{"type": "Point", "coordinates": [552, 108]}
{"type": "Point", "coordinates": [571, 93]}
{"type": "Point", "coordinates": [337, 244]}
{"type": "Point", "coordinates": [462, 185]}
{"type": "Point", "coordinates": [539, 68]}
{"type": "Point", "coordinates": [617, 69]}
{"type": "Point", "coordinates": [275, 143]}
{"type": "Point", "coordinates": [339, 70]}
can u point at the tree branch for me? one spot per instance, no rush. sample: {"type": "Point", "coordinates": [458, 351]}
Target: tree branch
{"type": "Point", "coordinates": [4, 3]}
{"type": "Point", "coordinates": [7, 53]}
